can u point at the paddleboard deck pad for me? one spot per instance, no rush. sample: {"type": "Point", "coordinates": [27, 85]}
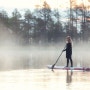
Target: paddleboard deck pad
{"type": "Point", "coordinates": [68, 68]}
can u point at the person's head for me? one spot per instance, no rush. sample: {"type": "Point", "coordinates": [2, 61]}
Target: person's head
{"type": "Point", "coordinates": [68, 39]}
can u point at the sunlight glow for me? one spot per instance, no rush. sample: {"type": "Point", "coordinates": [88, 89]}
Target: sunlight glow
{"type": "Point", "coordinates": [30, 4]}
{"type": "Point", "coordinates": [33, 3]}
{"type": "Point", "coordinates": [85, 2]}
{"type": "Point", "coordinates": [18, 3]}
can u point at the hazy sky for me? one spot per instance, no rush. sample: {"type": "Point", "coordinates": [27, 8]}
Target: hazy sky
{"type": "Point", "coordinates": [31, 3]}
{"type": "Point", "coordinates": [10, 5]}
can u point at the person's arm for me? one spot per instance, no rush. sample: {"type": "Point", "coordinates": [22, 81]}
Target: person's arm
{"type": "Point", "coordinates": [64, 48]}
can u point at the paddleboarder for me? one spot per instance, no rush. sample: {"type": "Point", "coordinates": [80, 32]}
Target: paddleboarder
{"type": "Point", "coordinates": [68, 50]}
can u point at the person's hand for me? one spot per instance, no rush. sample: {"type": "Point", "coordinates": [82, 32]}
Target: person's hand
{"type": "Point", "coordinates": [63, 50]}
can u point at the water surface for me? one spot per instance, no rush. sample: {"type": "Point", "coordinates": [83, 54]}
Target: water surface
{"type": "Point", "coordinates": [44, 79]}
{"type": "Point", "coordinates": [24, 68]}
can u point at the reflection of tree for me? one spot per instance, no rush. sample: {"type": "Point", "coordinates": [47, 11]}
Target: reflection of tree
{"type": "Point", "coordinates": [69, 76]}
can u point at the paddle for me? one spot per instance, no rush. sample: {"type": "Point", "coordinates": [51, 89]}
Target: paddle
{"type": "Point", "coordinates": [57, 59]}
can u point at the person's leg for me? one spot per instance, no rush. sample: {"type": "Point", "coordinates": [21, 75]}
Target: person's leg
{"type": "Point", "coordinates": [67, 62]}
{"type": "Point", "coordinates": [71, 62]}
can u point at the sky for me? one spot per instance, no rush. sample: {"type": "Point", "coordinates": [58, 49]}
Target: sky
{"type": "Point", "coordinates": [10, 5]}
{"type": "Point", "coordinates": [21, 5]}
{"type": "Point", "coordinates": [30, 3]}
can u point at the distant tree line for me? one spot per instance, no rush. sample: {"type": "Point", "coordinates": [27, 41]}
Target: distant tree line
{"type": "Point", "coordinates": [44, 25]}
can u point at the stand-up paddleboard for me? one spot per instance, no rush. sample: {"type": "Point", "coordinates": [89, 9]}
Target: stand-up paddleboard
{"type": "Point", "coordinates": [68, 68]}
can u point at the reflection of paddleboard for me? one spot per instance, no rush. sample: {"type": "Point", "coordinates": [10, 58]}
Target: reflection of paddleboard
{"type": "Point", "coordinates": [68, 68]}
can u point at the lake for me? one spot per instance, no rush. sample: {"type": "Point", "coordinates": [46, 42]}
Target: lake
{"type": "Point", "coordinates": [44, 79]}
{"type": "Point", "coordinates": [24, 68]}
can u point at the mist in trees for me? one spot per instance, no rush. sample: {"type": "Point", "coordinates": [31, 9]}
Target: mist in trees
{"type": "Point", "coordinates": [44, 25]}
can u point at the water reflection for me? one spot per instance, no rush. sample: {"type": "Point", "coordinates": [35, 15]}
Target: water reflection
{"type": "Point", "coordinates": [44, 79]}
{"type": "Point", "coordinates": [69, 76]}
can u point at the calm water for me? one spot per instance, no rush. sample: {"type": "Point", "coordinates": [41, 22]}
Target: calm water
{"type": "Point", "coordinates": [44, 79]}
{"type": "Point", "coordinates": [25, 69]}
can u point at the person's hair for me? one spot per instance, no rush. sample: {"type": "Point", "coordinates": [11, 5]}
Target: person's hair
{"type": "Point", "coordinates": [68, 39]}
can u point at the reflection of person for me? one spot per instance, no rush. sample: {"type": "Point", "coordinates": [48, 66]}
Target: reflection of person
{"type": "Point", "coordinates": [69, 76]}
{"type": "Point", "coordinates": [68, 50]}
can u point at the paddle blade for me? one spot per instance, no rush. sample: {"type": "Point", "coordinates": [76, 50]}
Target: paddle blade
{"type": "Point", "coordinates": [52, 66]}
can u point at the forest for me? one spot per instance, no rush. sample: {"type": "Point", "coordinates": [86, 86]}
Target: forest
{"type": "Point", "coordinates": [46, 25]}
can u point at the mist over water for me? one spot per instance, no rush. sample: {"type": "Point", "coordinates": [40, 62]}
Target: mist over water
{"type": "Point", "coordinates": [15, 56]}
{"type": "Point", "coordinates": [38, 56]}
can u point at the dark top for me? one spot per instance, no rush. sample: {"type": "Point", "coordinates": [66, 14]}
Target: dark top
{"type": "Point", "coordinates": [68, 50]}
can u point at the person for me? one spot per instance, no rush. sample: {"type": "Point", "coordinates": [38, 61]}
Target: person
{"type": "Point", "coordinates": [68, 50]}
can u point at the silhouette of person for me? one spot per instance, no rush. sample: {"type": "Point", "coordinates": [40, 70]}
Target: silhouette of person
{"type": "Point", "coordinates": [68, 50]}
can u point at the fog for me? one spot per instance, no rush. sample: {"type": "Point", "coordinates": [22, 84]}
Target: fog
{"type": "Point", "coordinates": [15, 56]}
{"type": "Point", "coordinates": [37, 56]}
